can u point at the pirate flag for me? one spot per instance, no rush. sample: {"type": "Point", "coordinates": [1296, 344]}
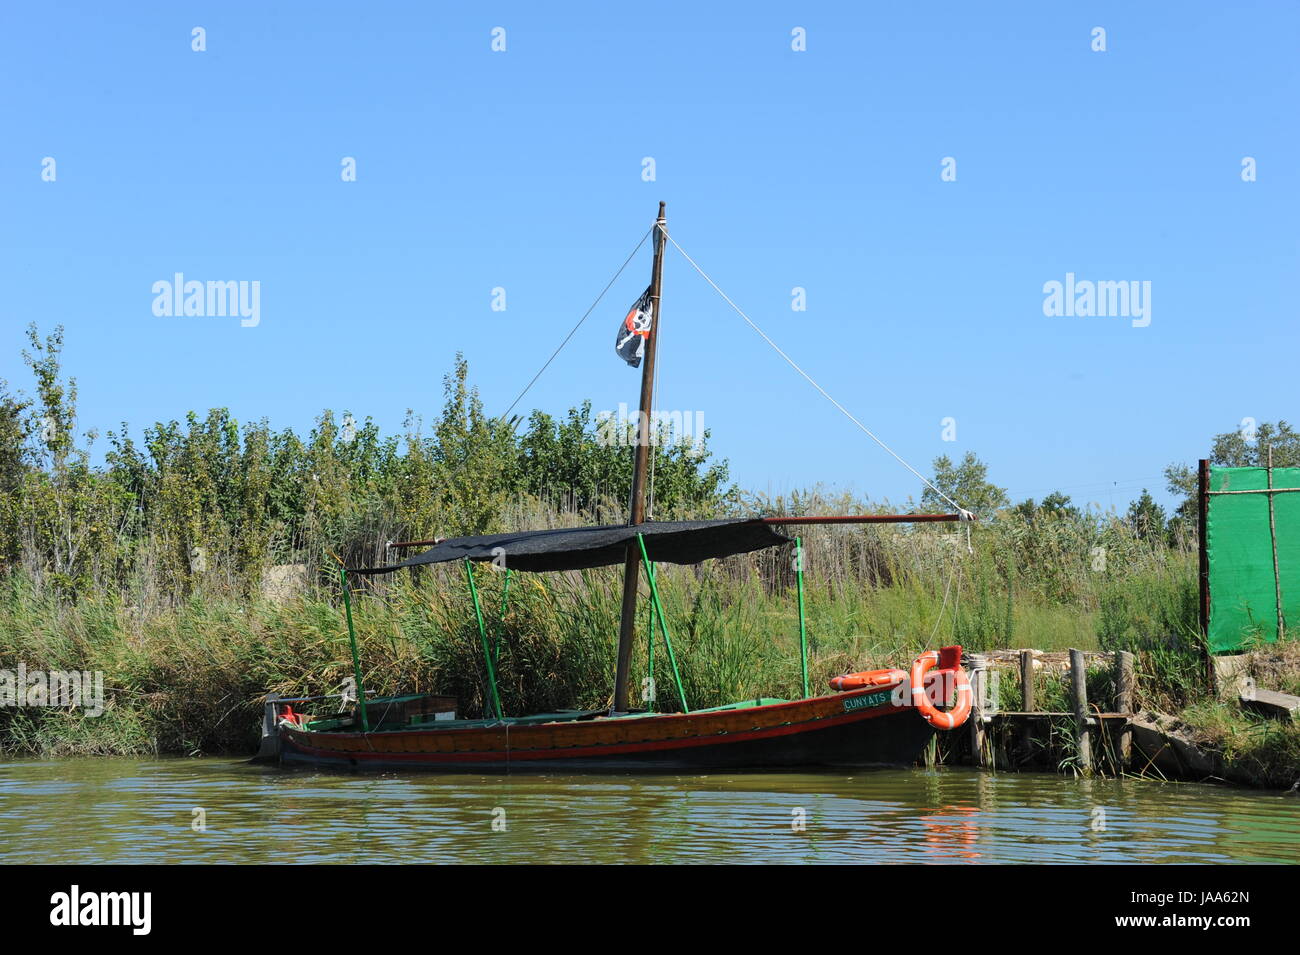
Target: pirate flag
{"type": "Point", "coordinates": [632, 334]}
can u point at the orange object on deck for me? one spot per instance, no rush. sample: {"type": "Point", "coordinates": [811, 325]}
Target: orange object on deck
{"type": "Point", "coordinates": [865, 678]}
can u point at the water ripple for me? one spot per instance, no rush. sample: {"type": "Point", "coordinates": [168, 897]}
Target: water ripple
{"type": "Point", "coordinates": [118, 810]}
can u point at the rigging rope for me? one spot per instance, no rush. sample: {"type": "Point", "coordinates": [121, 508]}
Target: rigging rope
{"type": "Point", "coordinates": [961, 511]}
{"type": "Point", "coordinates": [519, 397]}
{"type": "Point", "coordinates": [952, 571]}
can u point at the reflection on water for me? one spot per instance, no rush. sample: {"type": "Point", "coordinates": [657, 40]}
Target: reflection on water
{"type": "Point", "coordinates": [116, 810]}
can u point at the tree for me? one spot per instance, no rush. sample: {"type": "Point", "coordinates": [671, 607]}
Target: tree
{"type": "Point", "coordinates": [967, 484]}
{"type": "Point", "coordinates": [1232, 449]}
{"type": "Point", "coordinates": [1058, 505]}
{"type": "Point", "coordinates": [1242, 448]}
{"type": "Point", "coordinates": [1055, 506]}
{"type": "Point", "coordinates": [70, 514]}
{"type": "Point", "coordinates": [474, 457]}
{"type": "Point", "coordinates": [1146, 517]}
{"type": "Point", "coordinates": [206, 502]}
{"type": "Point", "coordinates": [585, 464]}
{"type": "Point", "coordinates": [13, 465]}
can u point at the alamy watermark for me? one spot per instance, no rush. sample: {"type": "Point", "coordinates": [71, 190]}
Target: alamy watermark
{"type": "Point", "coordinates": [82, 689]}
{"type": "Point", "coordinates": [667, 429]}
{"type": "Point", "coordinates": [129, 909]}
{"type": "Point", "coordinates": [193, 299]}
{"type": "Point", "coordinates": [1087, 299]}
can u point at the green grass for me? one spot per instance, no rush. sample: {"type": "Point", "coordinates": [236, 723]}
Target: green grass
{"type": "Point", "coordinates": [185, 675]}
{"type": "Point", "coordinates": [186, 678]}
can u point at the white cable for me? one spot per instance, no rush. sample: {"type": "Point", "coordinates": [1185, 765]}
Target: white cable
{"type": "Point", "coordinates": [573, 331]}
{"type": "Point", "coordinates": [946, 588]}
{"type": "Point", "coordinates": [964, 514]}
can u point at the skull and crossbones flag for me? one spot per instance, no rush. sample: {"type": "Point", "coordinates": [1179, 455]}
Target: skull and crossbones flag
{"type": "Point", "coordinates": [632, 334]}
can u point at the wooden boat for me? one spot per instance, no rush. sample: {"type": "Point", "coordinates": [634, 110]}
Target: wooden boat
{"type": "Point", "coordinates": [884, 717]}
{"type": "Point", "coordinates": [863, 728]}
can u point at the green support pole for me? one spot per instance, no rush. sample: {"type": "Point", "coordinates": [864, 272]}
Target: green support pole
{"type": "Point", "coordinates": [356, 657]}
{"type": "Point", "coordinates": [803, 630]}
{"type": "Point", "coordinates": [501, 626]}
{"type": "Point", "coordinates": [663, 624]}
{"type": "Point", "coordinates": [650, 648]}
{"type": "Point", "coordinates": [482, 632]}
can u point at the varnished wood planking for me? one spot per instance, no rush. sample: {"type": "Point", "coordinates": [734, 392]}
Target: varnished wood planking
{"type": "Point", "coordinates": [539, 739]}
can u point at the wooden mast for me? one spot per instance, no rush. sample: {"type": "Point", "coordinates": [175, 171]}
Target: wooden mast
{"type": "Point", "coordinates": [631, 570]}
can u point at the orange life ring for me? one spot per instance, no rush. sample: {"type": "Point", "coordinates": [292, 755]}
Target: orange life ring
{"type": "Point", "coordinates": [940, 719]}
{"type": "Point", "coordinates": [288, 715]}
{"type": "Point", "coordinates": [856, 681]}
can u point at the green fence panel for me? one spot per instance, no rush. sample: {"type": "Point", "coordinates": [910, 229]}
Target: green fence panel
{"type": "Point", "coordinates": [1239, 546]}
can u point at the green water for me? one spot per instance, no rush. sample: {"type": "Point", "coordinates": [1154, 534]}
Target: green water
{"type": "Point", "coordinates": [119, 810]}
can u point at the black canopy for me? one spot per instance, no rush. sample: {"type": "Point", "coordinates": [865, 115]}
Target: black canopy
{"type": "Point", "coordinates": [576, 548]}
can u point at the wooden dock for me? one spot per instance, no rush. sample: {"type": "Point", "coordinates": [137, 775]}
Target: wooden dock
{"type": "Point", "coordinates": [1094, 724]}
{"type": "Point", "coordinates": [1016, 737]}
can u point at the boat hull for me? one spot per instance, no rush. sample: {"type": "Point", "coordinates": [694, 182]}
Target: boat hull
{"type": "Point", "coordinates": [867, 728]}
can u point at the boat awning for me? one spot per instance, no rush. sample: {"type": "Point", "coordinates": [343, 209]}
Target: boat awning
{"type": "Point", "coordinates": [577, 548]}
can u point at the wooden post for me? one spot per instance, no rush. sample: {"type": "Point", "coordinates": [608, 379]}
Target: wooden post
{"type": "Point", "coordinates": [640, 468]}
{"type": "Point", "coordinates": [979, 669]}
{"type": "Point", "coordinates": [1027, 699]}
{"type": "Point", "coordinates": [1272, 533]}
{"type": "Point", "coordinates": [1203, 556]}
{"type": "Point", "coordinates": [1079, 693]}
{"type": "Point", "coordinates": [1124, 704]}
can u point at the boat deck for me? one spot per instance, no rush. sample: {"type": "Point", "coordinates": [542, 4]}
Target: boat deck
{"type": "Point", "coordinates": [333, 724]}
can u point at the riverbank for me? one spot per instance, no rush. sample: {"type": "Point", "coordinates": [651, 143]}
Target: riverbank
{"type": "Point", "coordinates": [188, 679]}
{"type": "Point", "coordinates": [197, 571]}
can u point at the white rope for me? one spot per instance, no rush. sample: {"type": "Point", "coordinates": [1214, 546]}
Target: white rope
{"type": "Point", "coordinates": [964, 514]}
{"type": "Point", "coordinates": [608, 285]}
{"type": "Point", "coordinates": [952, 570]}
{"type": "Point", "coordinates": [460, 466]}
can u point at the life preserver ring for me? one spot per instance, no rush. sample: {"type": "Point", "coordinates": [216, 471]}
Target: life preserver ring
{"type": "Point", "coordinates": [940, 719]}
{"type": "Point", "coordinates": [865, 678]}
{"type": "Point", "coordinates": [287, 715]}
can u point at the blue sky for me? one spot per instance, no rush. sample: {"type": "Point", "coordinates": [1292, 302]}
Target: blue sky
{"type": "Point", "coordinates": [818, 169]}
